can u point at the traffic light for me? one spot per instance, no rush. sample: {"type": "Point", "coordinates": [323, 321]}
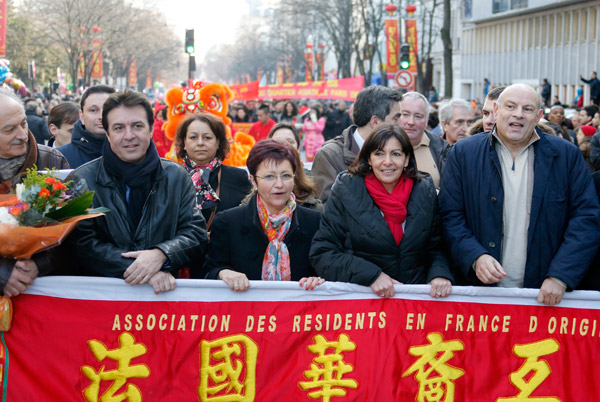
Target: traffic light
{"type": "Point", "coordinates": [404, 56]}
{"type": "Point", "coordinates": [189, 41]}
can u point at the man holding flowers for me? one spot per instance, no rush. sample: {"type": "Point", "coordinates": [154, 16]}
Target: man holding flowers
{"type": "Point", "coordinates": [19, 152]}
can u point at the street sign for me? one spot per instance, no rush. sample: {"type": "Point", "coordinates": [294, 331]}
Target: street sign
{"type": "Point", "coordinates": [404, 79]}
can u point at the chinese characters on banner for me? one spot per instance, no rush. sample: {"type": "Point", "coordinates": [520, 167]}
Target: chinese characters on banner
{"type": "Point", "coordinates": [278, 342]}
{"type": "Point", "coordinates": [411, 39]}
{"type": "Point", "coordinates": [391, 44]}
{"type": "Point", "coordinates": [3, 16]}
{"type": "Point", "coordinates": [245, 91]}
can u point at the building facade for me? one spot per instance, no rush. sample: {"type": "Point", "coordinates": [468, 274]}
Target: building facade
{"type": "Point", "coordinates": [511, 41]}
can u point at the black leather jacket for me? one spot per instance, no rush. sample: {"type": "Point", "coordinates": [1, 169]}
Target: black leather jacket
{"type": "Point", "coordinates": [171, 221]}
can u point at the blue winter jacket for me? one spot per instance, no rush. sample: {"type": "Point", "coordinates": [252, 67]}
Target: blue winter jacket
{"type": "Point", "coordinates": [564, 225]}
{"type": "Point", "coordinates": [83, 148]}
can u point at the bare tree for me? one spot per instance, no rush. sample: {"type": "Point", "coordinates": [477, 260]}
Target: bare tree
{"type": "Point", "coordinates": [447, 41]}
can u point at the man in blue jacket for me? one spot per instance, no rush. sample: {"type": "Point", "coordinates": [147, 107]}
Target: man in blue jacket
{"type": "Point", "coordinates": [519, 207]}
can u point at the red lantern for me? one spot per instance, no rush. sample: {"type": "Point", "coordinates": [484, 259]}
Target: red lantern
{"type": "Point", "coordinates": [391, 9]}
{"type": "Point", "coordinates": [410, 9]}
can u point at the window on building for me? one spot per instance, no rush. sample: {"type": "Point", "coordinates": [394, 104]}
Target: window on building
{"type": "Point", "coordinates": [518, 4]}
{"type": "Point", "coordinates": [499, 5]}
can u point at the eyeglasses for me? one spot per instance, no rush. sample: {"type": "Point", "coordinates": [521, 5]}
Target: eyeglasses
{"type": "Point", "coordinates": [272, 178]}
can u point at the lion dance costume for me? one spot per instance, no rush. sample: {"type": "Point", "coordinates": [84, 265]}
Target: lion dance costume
{"type": "Point", "coordinates": [205, 98]}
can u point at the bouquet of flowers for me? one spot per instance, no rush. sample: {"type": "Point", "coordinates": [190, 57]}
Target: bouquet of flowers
{"type": "Point", "coordinates": [40, 215]}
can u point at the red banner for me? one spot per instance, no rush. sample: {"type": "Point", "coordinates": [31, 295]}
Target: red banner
{"type": "Point", "coordinates": [96, 46]}
{"type": "Point", "coordinates": [91, 339]}
{"type": "Point", "coordinates": [149, 78]}
{"type": "Point", "coordinates": [308, 65]}
{"type": "Point", "coordinates": [132, 80]}
{"type": "Point", "coordinates": [411, 39]}
{"type": "Point", "coordinates": [243, 127]}
{"type": "Point", "coordinates": [289, 73]}
{"type": "Point", "coordinates": [344, 89]}
{"type": "Point", "coordinates": [3, 16]}
{"type": "Point", "coordinates": [391, 35]}
{"type": "Point", "coordinates": [245, 91]}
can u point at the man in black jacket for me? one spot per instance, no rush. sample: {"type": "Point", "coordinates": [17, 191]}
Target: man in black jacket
{"type": "Point", "coordinates": [154, 227]}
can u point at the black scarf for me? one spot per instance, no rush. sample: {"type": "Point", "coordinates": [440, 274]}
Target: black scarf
{"type": "Point", "coordinates": [137, 176]}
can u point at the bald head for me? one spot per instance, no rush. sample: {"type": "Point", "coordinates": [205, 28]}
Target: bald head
{"type": "Point", "coordinates": [521, 90]}
{"type": "Point", "coordinates": [517, 113]}
{"type": "Point", "coordinates": [13, 127]}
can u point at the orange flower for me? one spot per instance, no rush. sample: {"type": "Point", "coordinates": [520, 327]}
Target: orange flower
{"type": "Point", "coordinates": [50, 180]}
{"type": "Point", "coordinates": [57, 186]}
{"type": "Point", "coordinates": [10, 202]}
{"type": "Point", "coordinates": [44, 193]}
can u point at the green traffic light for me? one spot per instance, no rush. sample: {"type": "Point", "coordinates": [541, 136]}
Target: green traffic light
{"type": "Point", "coordinates": [189, 49]}
{"type": "Point", "coordinates": [404, 64]}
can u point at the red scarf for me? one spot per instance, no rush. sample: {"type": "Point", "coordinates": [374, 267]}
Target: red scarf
{"type": "Point", "coordinates": [392, 205]}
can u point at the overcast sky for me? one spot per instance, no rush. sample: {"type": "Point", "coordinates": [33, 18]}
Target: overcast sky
{"type": "Point", "coordinates": [214, 22]}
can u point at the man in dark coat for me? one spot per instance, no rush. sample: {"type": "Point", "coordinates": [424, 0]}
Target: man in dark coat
{"type": "Point", "coordinates": [88, 133]}
{"type": "Point", "coordinates": [37, 124]}
{"type": "Point", "coordinates": [594, 87]}
{"type": "Point", "coordinates": [19, 152]}
{"type": "Point", "coordinates": [519, 208]}
{"type": "Point", "coordinates": [337, 121]}
{"type": "Point", "coordinates": [154, 228]}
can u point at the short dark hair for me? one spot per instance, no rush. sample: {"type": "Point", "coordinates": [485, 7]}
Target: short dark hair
{"type": "Point", "coordinates": [375, 100]}
{"type": "Point", "coordinates": [265, 108]}
{"type": "Point", "coordinates": [376, 140]}
{"type": "Point", "coordinates": [289, 126]}
{"type": "Point", "coordinates": [129, 99]}
{"type": "Point", "coordinates": [494, 94]}
{"type": "Point", "coordinates": [215, 124]}
{"type": "Point", "coordinates": [591, 110]}
{"type": "Point", "coordinates": [96, 89]}
{"type": "Point", "coordinates": [270, 150]}
{"type": "Point", "coordinates": [63, 113]}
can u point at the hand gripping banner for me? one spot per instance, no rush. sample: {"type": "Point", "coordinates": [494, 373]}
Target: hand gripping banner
{"type": "Point", "coordinates": [99, 339]}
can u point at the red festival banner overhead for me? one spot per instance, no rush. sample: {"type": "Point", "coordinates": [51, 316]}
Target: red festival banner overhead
{"type": "Point", "coordinates": [149, 78]}
{"type": "Point", "coordinates": [92, 339]}
{"type": "Point", "coordinates": [3, 17]}
{"type": "Point", "coordinates": [344, 89]}
{"type": "Point", "coordinates": [96, 45]}
{"type": "Point", "coordinates": [411, 39]}
{"type": "Point", "coordinates": [308, 62]}
{"type": "Point", "coordinates": [132, 80]}
{"type": "Point", "coordinates": [279, 72]}
{"type": "Point", "coordinates": [245, 91]}
{"type": "Point", "coordinates": [391, 34]}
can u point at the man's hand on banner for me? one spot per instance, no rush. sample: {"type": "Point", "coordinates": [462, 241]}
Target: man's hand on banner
{"type": "Point", "coordinates": [146, 264]}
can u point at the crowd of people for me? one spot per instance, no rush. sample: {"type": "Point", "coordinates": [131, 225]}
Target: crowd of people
{"type": "Point", "coordinates": [402, 189]}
